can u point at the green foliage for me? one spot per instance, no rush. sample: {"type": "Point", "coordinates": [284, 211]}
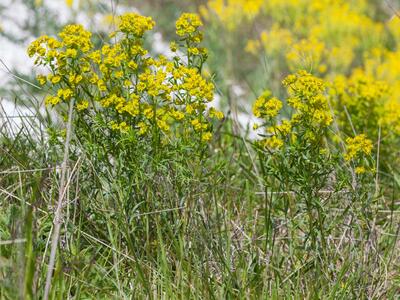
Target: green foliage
{"type": "Point", "coordinates": [169, 214]}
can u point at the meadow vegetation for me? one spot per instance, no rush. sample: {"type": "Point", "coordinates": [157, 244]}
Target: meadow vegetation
{"type": "Point", "coordinates": [135, 184]}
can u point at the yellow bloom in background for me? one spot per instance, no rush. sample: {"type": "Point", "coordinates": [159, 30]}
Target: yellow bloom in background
{"type": "Point", "coordinates": [306, 54]}
{"type": "Point", "coordinates": [253, 47]}
{"type": "Point", "coordinates": [69, 2]}
{"type": "Point", "coordinates": [232, 13]}
{"type": "Point", "coordinates": [357, 146]}
{"type": "Point", "coordinates": [276, 40]}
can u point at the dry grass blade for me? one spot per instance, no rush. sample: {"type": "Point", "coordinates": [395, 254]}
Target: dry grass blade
{"type": "Point", "coordinates": [58, 213]}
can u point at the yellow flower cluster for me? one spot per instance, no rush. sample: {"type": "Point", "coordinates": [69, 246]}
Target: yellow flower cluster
{"type": "Point", "coordinates": [365, 100]}
{"type": "Point", "coordinates": [144, 93]}
{"type": "Point", "coordinates": [133, 23]}
{"type": "Point", "coordinates": [357, 147]}
{"type": "Point", "coordinates": [308, 99]}
{"type": "Point", "coordinates": [123, 127]}
{"type": "Point", "coordinates": [267, 106]}
{"type": "Point", "coordinates": [75, 37]}
{"type": "Point", "coordinates": [232, 12]}
{"type": "Point", "coordinates": [67, 60]}
{"type": "Point", "coordinates": [326, 38]}
{"type": "Point", "coordinates": [272, 143]}
{"type": "Point", "coordinates": [188, 25]}
{"type": "Point", "coordinates": [336, 31]}
{"type": "Point", "coordinates": [310, 106]}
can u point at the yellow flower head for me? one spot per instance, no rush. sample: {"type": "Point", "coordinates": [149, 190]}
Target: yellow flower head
{"type": "Point", "coordinates": [357, 146]}
{"type": "Point", "coordinates": [133, 23]}
{"type": "Point", "coordinates": [41, 79]}
{"type": "Point", "coordinates": [76, 37]}
{"type": "Point", "coordinates": [267, 107]}
{"type": "Point", "coordinates": [52, 100]}
{"type": "Point", "coordinates": [188, 24]}
{"type": "Point", "coordinates": [82, 105]}
{"type": "Point", "coordinates": [273, 143]}
{"type": "Point", "coordinates": [206, 136]}
{"type": "Point", "coordinates": [55, 79]}
{"type": "Point", "coordinates": [360, 170]}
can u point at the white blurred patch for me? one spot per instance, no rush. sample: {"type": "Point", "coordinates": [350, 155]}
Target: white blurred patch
{"type": "Point", "coordinates": [16, 118]}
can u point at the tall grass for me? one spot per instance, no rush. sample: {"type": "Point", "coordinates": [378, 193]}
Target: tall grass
{"type": "Point", "coordinates": [226, 219]}
{"type": "Point", "coordinates": [182, 229]}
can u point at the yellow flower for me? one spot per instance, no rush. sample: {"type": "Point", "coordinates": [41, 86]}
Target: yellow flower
{"type": "Point", "coordinates": [357, 146]}
{"type": "Point", "coordinates": [132, 107]}
{"type": "Point", "coordinates": [132, 65]}
{"type": "Point", "coordinates": [143, 128]}
{"type": "Point", "coordinates": [133, 23]}
{"type": "Point", "coordinates": [78, 79]}
{"type": "Point", "coordinates": [196, 123]}
{"type": "Point", "coordinates": [178, 115]}
{"type": "Point", "coordinates": [76, 37]}
{"type": "Point", "coordinates": [284, 128]}
{"type": "Point", "coordinates": [273, 143]}
{"type": "Point", "coordinates": [65, 93]}
{"type": "Point", "coordinates": [187, 24]}
{"type": "Point", "coordinates": [264, 107]}
{"type": "Point", "coordinates": [360, 170]}
{"type": "Point", "coordinates": [41, 79]}
{"type": "Point", "coordinates": [206, 136]}
{"type": "Point", "coordinates": [252, 47]}
{"type": "Point", "coordinates": [119, 74]}
{"type": "Point", "coordinates": [146, 92]}
{"type": "Point", "coordinates": [173, 46]}
{"type": "Point", "coordinates": [71, 53]}
{"type": "Point", "coordinates": [123, 126]}
{"type": "Point", "coordinates": [190, 109]}
{"type": "Point", "coordinates": [69, 2]}
{"type": "Point", "coordinates": [308, 99]}
{"type": "Point", "coordinates": [194, 51]}
{"type": "Point", "coordinates": [55, 79]}
{"type": "Point", "coordinates": [101, 85]}
{"type": "Point", "coordinates": [215, 113]}
{"type": "Point", "coordinates": [82, 105]}
{"type": "Point", "coordinates": [52, 100]}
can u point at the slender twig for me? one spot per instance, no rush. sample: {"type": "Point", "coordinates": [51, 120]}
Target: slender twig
{"type": "Point", "coordinates": [10, 242]}
{"type": "Point", "coordinates": [58, 213]}
{"type": "Point", "coordinates": [28, 171]}
{"type": "Point", "coordinates": [377, 162]}
{"type": "Point", "coordinates": [19, 199]}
